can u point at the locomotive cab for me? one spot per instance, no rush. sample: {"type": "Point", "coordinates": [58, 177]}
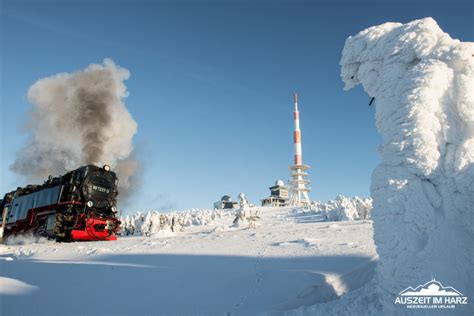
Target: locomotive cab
{"type": "Point", "coordinates": [3, 218]}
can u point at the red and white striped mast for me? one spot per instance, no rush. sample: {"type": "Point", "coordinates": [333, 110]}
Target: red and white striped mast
{"type": "Point", "coordinates": [297, 135]}
{"type": "Point", "coordinates": [298, 183]}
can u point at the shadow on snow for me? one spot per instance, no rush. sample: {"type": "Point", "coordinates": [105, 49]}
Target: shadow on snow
{"type": "Point", "coordinates": [141, 284]}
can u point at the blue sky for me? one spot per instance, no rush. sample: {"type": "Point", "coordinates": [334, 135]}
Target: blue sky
{"type": "Point", "coordinates": [211, 87]}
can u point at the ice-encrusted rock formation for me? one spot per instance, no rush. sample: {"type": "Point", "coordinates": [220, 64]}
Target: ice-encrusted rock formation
{"type": "Point", "coordinates": [423, 188]}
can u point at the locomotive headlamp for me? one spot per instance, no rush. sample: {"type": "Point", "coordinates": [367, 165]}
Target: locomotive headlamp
{"type": "Point", "coordinates": [106, 167]}
{"type": "Point", "coordinates": [114, 209]}
{"type": "Point", "coordinates": [90, 204]}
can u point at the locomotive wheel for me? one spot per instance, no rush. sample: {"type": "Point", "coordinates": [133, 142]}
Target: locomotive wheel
{"type": "Point", "coordinates": [65, 238]}
{"type": "Point", "coordinates": [41, 230]}
{"type": "Point", "coordinates": [62, 228]}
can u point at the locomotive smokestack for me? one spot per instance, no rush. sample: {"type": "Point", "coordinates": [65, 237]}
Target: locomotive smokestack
{"type": "Point", "coordinates": [79, 118]}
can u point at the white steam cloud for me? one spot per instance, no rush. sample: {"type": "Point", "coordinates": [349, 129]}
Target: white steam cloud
{"type": "Point", "coordinates": [79, 118]}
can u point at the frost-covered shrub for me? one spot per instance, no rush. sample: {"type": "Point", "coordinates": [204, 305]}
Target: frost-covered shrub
{"type": "Point", "coordinates": [152, 223]}
{"type": "Point", "coordinates": [341, 209]}
{"type": "Point", "coordinates": [346, 209]}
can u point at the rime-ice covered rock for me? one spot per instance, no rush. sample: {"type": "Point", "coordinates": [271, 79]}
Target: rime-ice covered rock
{"type": "Point", "coordinates": [423, 188]}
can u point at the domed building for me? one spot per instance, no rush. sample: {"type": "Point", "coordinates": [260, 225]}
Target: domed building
{"type": "Point", "coordinates": [278, 195]}
{"type": "Point", "coordinates": [225, 203]}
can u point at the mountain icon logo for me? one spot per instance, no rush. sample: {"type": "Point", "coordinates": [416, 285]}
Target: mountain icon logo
{"type": "Point", "coordinates": [431, 288]}
{"type": "Point", "coordinates": [432, 294]}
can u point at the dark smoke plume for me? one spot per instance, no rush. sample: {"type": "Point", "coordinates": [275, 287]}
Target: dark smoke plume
{"type": "Point", "coordinates": [79, 118]}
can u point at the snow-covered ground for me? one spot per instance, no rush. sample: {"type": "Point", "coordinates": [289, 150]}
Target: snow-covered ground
{"type": "Point", "coordinates": [212, 269]}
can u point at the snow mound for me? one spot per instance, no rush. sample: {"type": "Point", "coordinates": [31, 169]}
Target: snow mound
{"type": "Point", "coordinates": [9, 286]}
{"type": "Point", "coordinates": [423, 189]}
{"type": "Point", "coordinates": [340, 209]}
{"type": "Point", "coordinates": [162, 224]}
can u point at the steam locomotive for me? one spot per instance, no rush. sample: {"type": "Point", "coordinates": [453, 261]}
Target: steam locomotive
{"type": "Point", "coordinates": [80, 205]}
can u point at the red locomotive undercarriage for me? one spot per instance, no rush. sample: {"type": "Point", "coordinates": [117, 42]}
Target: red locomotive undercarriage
{"type": "Point", "coordinates": [85, 225]}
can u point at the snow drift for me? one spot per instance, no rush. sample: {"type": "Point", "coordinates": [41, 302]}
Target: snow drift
{"type": "Point", "coordinates": [423, 188]}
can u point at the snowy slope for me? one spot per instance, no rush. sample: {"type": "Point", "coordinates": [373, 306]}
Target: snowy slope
{"type": "Point", "coordinates": [211, 269]}
{"type": "Point", "coordinates": [155, 223]}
